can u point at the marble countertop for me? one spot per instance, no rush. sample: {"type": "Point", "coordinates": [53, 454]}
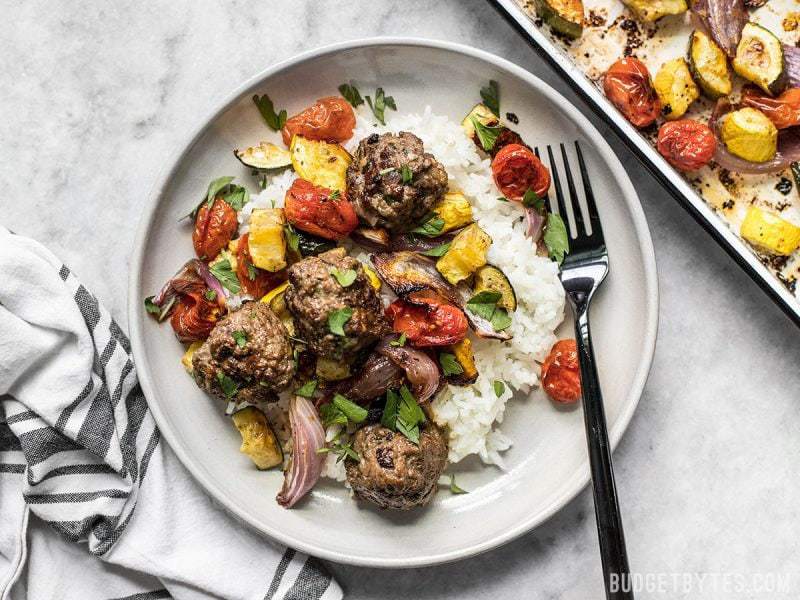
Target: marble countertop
{"type": "Point", "coordinates": [96, 94]}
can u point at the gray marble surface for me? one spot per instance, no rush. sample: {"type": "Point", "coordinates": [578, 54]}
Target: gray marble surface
{"type": "Point", "coordinates": [95, 95]}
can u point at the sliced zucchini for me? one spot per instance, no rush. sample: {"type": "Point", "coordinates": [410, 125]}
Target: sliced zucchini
{"type": "Point", "coordinates": [675, 88]}
{"type": "Point", "coordinates": [493, 279]}
{"type": "Point", "coordinates": [186, 359]}
{"type": "Point", "coordinates": [455, 210]}
{"type": "Point", "coordinates": [563, 16]}
{"type": "Point", "coordinates": [332, 370]}
{"type": "Point", "coordinates": [320, 163]}
{"type": "Point", "coordinates": [750, 135]}
{"type": "Point", "coordinates": [483, 115]}
{"type": "Point", "coordinates": [769, 232]}
{"type": "Point", "coordinates": [258, 440]}
{"type": "Point", "coordinates": [652, 10]}
{"type": "Point", "coordinates": [266, 242]}
{"type": "Point", "coordinates": [466, 358]}
{"type": "Point", "coordinates": [759, 58]}
{"type": "Point", "coordinates": [466, 254]}
{"type": "Point", "coordinates": [264, 157]}
{"type": "Point", "coordinates": [709, 66]}
{"type": "Point", "coordinates": [311, 245]}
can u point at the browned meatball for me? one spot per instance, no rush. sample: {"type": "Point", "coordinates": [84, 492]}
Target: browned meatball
{"type": "Point", "coordinates": [314, 294]}
{"type": "Point", "coordinates": [247, 356]}
{"type": "Point", "coordinates": [377, 187]}
{"type": "Point", "coordinates": [393, 472]}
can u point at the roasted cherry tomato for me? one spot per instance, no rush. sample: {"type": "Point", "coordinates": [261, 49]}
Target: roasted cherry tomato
{"type": "Point", "coordinates": [516, 170]}
{"type": "Point", "coordinates": [561, 372]}
{"type": "Point", "coordinates": [687, 145]}
{"type": "Point", "coordinates": [319, 211]}
{"type": "Point", "coordinates": [427, 320]}
{"type": "Point", "coordinates": [627, 84]}
{"type": "Point", "coordinates": [213, 228]}
{"type": "Point", "coordinates": [255, 282]}
{"type": "Point", "coordinates": [330, 119]}
{"type": "Point", "coordinates": [783, 111]}
{"type": "Point", "coordinates": [194, 315]}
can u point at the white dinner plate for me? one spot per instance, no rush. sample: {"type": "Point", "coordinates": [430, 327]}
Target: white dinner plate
{"type": "Point", "coordinates": [547, 465]}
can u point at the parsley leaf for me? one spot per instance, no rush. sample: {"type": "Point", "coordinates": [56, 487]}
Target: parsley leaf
{"type": "Point", "coordinates": [275, 121]}
{"type": "Point", "coordinates": [405, 171]}
{"type": "Point", "coordinates": [487, 136]}
{"type": "Point", "coordinates": [251, 272]}
{"type": "Point", "coordinates": [337, 320]}
{"type": "Point", "coordinates": [500, 319]}
{"type": "Point", "coordinates": [211, 295]}
{"type": "Point", "coordinates": [334, 195]}
{"type": "Point", "coordinates": [223, 271]}
{"type": "Point", "coordinates": [440, 250]}
{"type": "Point", "coordinates": [240, 337]}
{"type": "Point", "coordinates": [499, 388]}
{"type": "Point", "coordinates": [292, 239]}
{"type": "Point", "coordinates": [450, 364]}
{"type": "Point", "coordinates": [351, 94]}
{"type": "Point", "coordinates": [491, 97]}
{"type": "Point", "coordinates": [502, 199]}
{"type": "Point", "coordinates": [353, 412]}
{"type": "Point", "coordinates": [484, 304]}
{"type": "Point", "coordinates": [228, 385]}
{"type": "Point", "coordinates": [342, 450]}
{"type": "Point", "coordinates": [389, 416]}
{"type": "Point", "coordinates": [454, 489]}
{"type": "Point", "coordinates": [431, 226]}
{"type": "Point", "coordinates": [345, 277]}
{"type": "Point", "coordinates": [382, 102]}
{"type": "Point", "coordinates": [332, 415]}
{"type": "Point", "coordinates": [531, 200]}
{"type": "Point", "coordinates": [555, 237]}
{"type": "Point", "coordinates": [150, 306]}
{"type": "Point", "coordinates": [307, 389]}
{"type": "Point", "coordinates": [236, 197]}
{"type": "Point", "coordinates": [409, 415]}
{"type": "Point", "coordinates": [399, 342]}
{"type": "Point", "coordinates": [215, 187]}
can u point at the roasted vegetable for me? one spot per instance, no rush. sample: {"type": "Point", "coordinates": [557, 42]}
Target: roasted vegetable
{"type": "Point", "coordinates": [652, 10]}
{"type": "Point", "coordinates": [749, 134]}
{"type": "Point", "coordinates": [319, 211]}
{"type": "Point", "coordinates": [277, 302]}
{"type": "Point", "coordinates": [709, 66]}
{"type": "Point", "coordinates": [482, 114]}
{"type": "Point", "coordinates": [264, 157]}
{"type": "Point", "coordinates": [371, 238]}
{"type": "Point", "coordinates": [628, 86]}
{"type": "Point", "coordinates": [675, 88]}
{"type": "Point", "coordinates": [466, 358]}
{"type": "Point", "coordinates": [186, 359]}
{"type": "Point", "coordinates": [321, 163]}
{"type": "Point", "coordinates": [374, 280]}
{"type": "Point", "coordinates": [330, 119]}
{"type": "Point", "coordinates": [493, 279]}
{"type": "Point", "coordinates": [266, 242]}
{"type": "Point", "coordinates": [564, 16]}
{"type": "Point", "coordinates": [214, 227]}
{"type": "Point", "coordinates": [311, 245]}
{"type": "Point", "coordinates": [455, 210]}
{"type": "Point", "coordinates": [759, 58]}
{"type": "Point", "coordinates": [332, 370]}
{"type": "Point", "coordinates": [427, 319]}
{"type": "Point", "coordinates": [769, 232]}
{"type": "Point", "coordinates": [258, 439]}
{"type": "Point", "coordinates": [467, 253]}
{"type": "Point", "coordinates": [686, 144]}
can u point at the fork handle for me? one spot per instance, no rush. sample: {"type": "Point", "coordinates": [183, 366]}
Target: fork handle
{"type": "Point", "coordinates": [609, 523]}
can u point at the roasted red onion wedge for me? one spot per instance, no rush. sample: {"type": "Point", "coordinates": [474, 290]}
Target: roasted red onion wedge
{"type": "Point", "coordinates": [377, 375]}
{"type": "Point", "coordinates": [791, 65]}
{"type": "Point", "coordinates": [723, 20]}
{"type": "Point", "coordinates": [421, 370]}
{"type": "Point", "coordinates": [371, 238]}
{"type": "Point", "coordinates": [407, 272]}
{"type": "Point", "coordinates": [191, 276]}
{"type": "Point", "coordinates": [420, 243]}
{"type": "Point", "coordinates": [305, 466]}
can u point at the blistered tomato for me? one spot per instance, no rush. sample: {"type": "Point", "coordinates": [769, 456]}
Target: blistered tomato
{"type": "Point", "coordinates": [194, 315]}
{"type": "Point", "coordinates": [628, 86]}
{"type": "Point", "coordinates": [213, 228]}
{"type": "Point", "coordinates": [687, 145]}
{"type": "Point", "coordinates": [516, 170]}
{"type": "Point", "coordinates": [427, 320]}
{"type": "Point", "coordinates": [319, 211]}
{"type": "Point", "coordinates": [561, 373]}
{"type": "Point", "coordinates": [783, 111]}
{"type": "Point", "coordinates": [330, 119]}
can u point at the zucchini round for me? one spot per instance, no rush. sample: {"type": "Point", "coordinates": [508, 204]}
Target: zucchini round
{"type": "Point", "coordinates": [490, 278]}
{"type": "Point", "coordinates": [750, 135]}
{"type": "Point", "coordinates": [264, 157]}
{"type": "Point", "coordinates": [258, 440]}
{"type": "Point", "coordinates": [759, 58]}
{"type": "Point", "coordinates": [709, 66]}
{"type": "Point", "coordinates": [563, 16]}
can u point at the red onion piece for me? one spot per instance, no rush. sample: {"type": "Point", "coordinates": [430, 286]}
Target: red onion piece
{"type": "Point", "coordinates": [723, 20]}
{"type": "Point", "coordinates": [791, 65]}
{"type": "Point", "coordinates": [377, 375]}
{"type": "Point", "coordinates": [534, 224]}
{"type": "Point", "coordinates": [371, 238]}
{"type": "Point", "coordinates": [421, 370]}
{"type": "Point", "coordinates": [189, 277]}
{"type": "Point", "coordinates": [211, 281]}
{"type": "Point", "coordinates": [305, 466]}
{"type": "Point", "coordinates": [419, 243]}
{"type": "Point", "coordinates": [788, 147]}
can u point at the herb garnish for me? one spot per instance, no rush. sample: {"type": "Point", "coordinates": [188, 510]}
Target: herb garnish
{"type": "Point", "coordinates": [215, 187]}
{"type": "Point", "coordinates": [240, 337]}
{"type": "Point", "coordinates": [342, 410]}
{"type": "Point", "coordinates": [450, 364]}
{"type": "Point", "coordinates": [237, 196]}
{"type": "Point", "coordinates": [210, 295]}
{"type": "Point", "coordinates": [151, 307]}
{"type": "Point", "coordinates": [228, 385]}
{"type": "Point", "coordinates": [341, 450]}
{"type": "Point", "coordinates": [502, 199]}
{"type": "Point", "coordinates": [334, 195]}
{"type": "Point", "coordinates": [223, 271]}
{"type": "Point", "coordinates": [345, 277]}
{"type": "Point", "coordinates": [274, 120]}
{"type": "Point", "coordinates": [292, 239]}
{"type": "Point", "coordinates": [454, 489]}
{"type": "Point", "coordinates": [307, 389]}
{"type": "Point", "coordinates": [351, 94]}
{"type": "Point", "coordinates": [484, 304]}
{"type": "Point", "coordinates": [431, 226]}
{"type": "Point", "coordinates": [399, 342]}
{"type": "Point", "coordinates": [337, 320]}
{"type": "Point", "coordinates": [487, 136]}
{"type": "Point", "coordinates": [499, 387]}
{"type": "Point", "coordinates": [439, 250]}
{"type": "Point", "coordinates": [382, 101]}
{"type": "Point", "coordinates": [491, 97]}
{"type": "Point", "coordinates": [402, 413]}
{"type": "Point", "coordinates": [556, 238]}
{"type": "Point", "coordinates": [532, 200]}
{"type": "Point", "coordinates": [405, 171]}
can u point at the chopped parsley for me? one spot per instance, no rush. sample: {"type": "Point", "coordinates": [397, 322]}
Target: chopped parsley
{"type": "Point", "coordinates": [487, 136]}
{"type": "Point", "coordinates": [236, 197]}
{"type": "Point", "coordinates": [215, 187]}
{"type": "Point", "coordinates": [484, 304]}
{"type": "Point", "coordinates": [450, 364]}
{"type": "Point", "coordinates": [223, 272]}
{"type": "Point", "coordinates": [274, 121]}
{"type": "Point", "coordinates": [151, 307]}
{"type": "Point", "coordinates": [454, 489]}
{"type": "Point", "coordinates": [439, 250]}
{"type": "Point", "coordinates": [556, 238]}
{"type": "Point", "coordinates": [292, 239]}
{"type": "Point", "coordinates": [345, 277]}
{"type": "Point", "coordinates": [405, 171]}
{"type": "Point", "coordinates": [342, 410]}
{"type": "Point", "coordinates": [240, 337]}
{"type": "Point", "coordinates": [491, 97]}
{"type": "Point", "coordinates": [251, 272]}
{"type": "Point", "coordinates": [210, 295]}
{"type": "Point", "coordinates": [399, 342]}
{"type": "Point", "coordinates": [228, 385]}
{"type": "Point", "coordinates": [532, 200]}
{"type": "Point", "coordinates": [350, 93]}
{"type": "Point", "coordinates": [431, 226]}
{"type": "Point", "coordinates": [389, 416]}
{"type": "Point", "coordinates": [382, 102]}
{"type": "Point", "coordinates": [402, 413]}
{"type": "Point", "coordinates": [334, 195]}
{"type": "Point", "coordinates": [343, 450]}
{"type": "Point", "coordinates": [502, 199]}
{"type": "Point", "coordinates": [337, 320]}
{"type": "Point", "coordinates": [499, 387]}
{"type": "Point", "coordinates": [307, 389]}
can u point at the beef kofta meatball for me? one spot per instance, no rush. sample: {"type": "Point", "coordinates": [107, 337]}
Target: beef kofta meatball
{"type": "Point", "coordinates": [393, 182]}
{"type": "Point", "coordinates": [247, 356]}
{"type": "Point", "coordinates": [314, 294]}
{"type": "Point", "coordinates": [392, 471]}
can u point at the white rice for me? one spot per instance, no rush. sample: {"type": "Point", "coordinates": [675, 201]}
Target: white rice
{"type": "Point", "coordinates": [471, 414]}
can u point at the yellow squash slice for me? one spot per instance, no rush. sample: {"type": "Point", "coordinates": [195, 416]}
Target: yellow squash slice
{"type": "Point", "coordinates": [769, 232]}
{"type": "Point", "coordinates": [466, 254]}
{"type": "Point", "coordinates": [675, 88]}
{"type": "Point", "coordinates": [258, 439]}
{"type": "Point", "coordinates": [750, 135]}
{"type": "Point", "coordinates": [266, 242]}
{"type": "Point", "coordinates": [455, 210]}
{"type": "Point", "coordinates": [186, 359]}
{"type": "Point", "coordinates": [320, 163]}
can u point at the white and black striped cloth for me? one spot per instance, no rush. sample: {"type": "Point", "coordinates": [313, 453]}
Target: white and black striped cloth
{"type": "Point", "coordinates": [80, 455]}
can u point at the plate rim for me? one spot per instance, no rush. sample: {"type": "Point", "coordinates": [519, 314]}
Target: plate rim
{"type": "Point", "coordinates": [136, 314]}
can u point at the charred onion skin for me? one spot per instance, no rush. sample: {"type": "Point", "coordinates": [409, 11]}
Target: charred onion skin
{"type": "Point", "coordinates": [421, 370]}
{"type": "Point", "coordinates": [723, 20]}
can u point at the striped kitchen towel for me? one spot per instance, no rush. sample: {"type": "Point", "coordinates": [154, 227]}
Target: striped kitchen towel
{"type": "Point", "coordinates": [93, 504]}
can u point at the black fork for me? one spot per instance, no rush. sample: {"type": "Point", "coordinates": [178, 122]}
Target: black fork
{"type": "Point", "coordinates": [583, 270]}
